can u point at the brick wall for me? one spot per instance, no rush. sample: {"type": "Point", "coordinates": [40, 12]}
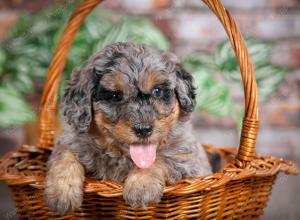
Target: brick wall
{"type": "Point", "coordinates": [190, 26]}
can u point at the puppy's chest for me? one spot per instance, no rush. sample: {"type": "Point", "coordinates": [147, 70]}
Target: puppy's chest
{"type": "Point", "coordinates": [108, 167]}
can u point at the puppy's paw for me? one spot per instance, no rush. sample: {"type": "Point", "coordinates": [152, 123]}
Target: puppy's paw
{"type": "Point", "coordinates": [64, 185]}
{"type": "Point", "coordinates": [141, 190]}
{"type": "Point", "coordinates": [62, 197]}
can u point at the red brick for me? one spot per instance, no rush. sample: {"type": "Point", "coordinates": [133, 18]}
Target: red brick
{"type": "Point", "coordinates": [292, 84]}
{"type": "Point", "coordinates": [245, 5]}
{"type": "Point", "coordinates": [246, 22]}
{"type": "Point", "coordinates": [278, 113]}
{"type": "Point", "coordinates": [278, 26]}
{"type": "Point", "coordinates": [144, 6]}
{"type": "Point", "coordinates": [7, 19]}
{"type": "Point", "coordinates": [229, 4]}
{"type": "Point", "coordinates": [283, 107]}
{"type": "Point", "coordinates": [197, 28]}
{"type": "Point", "coordinates": [164, 24]}
{"type": "Point", "coordinates": [200, 28]}
{"type": "Point", "coordinates": [216, 136]}
{"type": "Point", "coordinates": [282, 142]}
{"type": "Point", "coordinates": [32, 5]}
{"type": "Point", "coordinates": [287, 54]}
{"type": "Point", "coordinates": [203, 119]}
{"type": "Point", "coordinates": [285, 4]}
{"type": "Point", "coordinates": [115, 4]}
{"type": "Point", "coordinates": [136, 6]}
{"type": "Point", "coordinates": [297, 25]}
{"type": "Point", "coordinates": [161, 4]}
{"type": "Point", "coordinates": [269, 25]}
{"type": "Point", "coordinates": [283, 114]}
{"type": "Point", "coordinates": [192, 4]}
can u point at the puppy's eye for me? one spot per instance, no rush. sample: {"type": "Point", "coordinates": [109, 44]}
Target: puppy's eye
{"type": "Point", "coordinates": [157, 92]}
{"type": "Point", "coordinates": [113, 96]}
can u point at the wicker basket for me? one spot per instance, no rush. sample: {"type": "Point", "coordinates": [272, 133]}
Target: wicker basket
{"type": "Point", "coordinates": [239, 190]}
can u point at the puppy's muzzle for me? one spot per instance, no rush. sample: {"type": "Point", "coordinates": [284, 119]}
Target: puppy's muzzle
{"type": "Point", "coordinates": [143, 130]}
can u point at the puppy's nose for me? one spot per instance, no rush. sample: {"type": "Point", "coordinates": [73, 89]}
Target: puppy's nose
{"type": "Point", "coordinates": [143, 130]}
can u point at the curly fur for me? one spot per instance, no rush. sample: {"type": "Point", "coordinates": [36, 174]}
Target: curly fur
{"type": "Point", "coordinates": [97, 132]}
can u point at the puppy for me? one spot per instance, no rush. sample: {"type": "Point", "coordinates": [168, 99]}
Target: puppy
{"type": "Point", "coordinates": [125, 118]}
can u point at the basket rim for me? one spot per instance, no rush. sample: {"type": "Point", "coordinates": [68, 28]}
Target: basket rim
{"type": "Point", "coordinates": [260, 166]}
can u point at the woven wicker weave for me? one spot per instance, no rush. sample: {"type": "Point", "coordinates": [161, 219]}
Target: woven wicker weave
{"type": "Point", "coordinates": [239, 190]}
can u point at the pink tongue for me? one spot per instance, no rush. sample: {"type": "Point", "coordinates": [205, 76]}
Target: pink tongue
{"type": "Point", "coordinates": [143, 155]}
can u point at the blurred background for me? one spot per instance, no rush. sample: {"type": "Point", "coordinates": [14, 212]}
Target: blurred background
{"type": "Point", "coordinates": [29, 31]}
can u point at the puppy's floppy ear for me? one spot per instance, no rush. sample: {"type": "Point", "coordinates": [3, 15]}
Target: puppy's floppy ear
{"type": "Point", "coordinates": [185, 90]}
{"type": "Point", "coordinates": [76, 103]}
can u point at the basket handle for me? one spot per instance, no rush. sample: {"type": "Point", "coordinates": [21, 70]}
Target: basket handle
{"type": "Point", "coordinates": [48, 105]}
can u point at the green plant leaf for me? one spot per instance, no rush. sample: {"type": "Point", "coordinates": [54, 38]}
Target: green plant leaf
{"type": "Point", "coordinates": [213, 93]}
{"type": "Point", "coordinates": [2, 60]}
{"type": "Point", "coordinates": [212, 96]}
{"type": "Point", "coordinates": [135, 29]}
{"type": "Point", "coordinates": [227, 63]}
{"type": "Point", "coordinates": [268, 76]}
{"type": "Point", "coordinates": [142, 30]}
{"type": "Point", "coordinates": [260, 52]}
{"type": "Point", "coordinates": [13, 109]}
{"type": "Point", "coordinates": [225, 59]}
{"type": "Point", "coordinates": [117, 33]}
{"type": "Point", "coordinates": [197, 61]}
{"type": "Point", "coordinates": [21, 27]}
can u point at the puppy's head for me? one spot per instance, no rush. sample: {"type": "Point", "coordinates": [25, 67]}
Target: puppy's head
{"type": "Point", "coordinates": [134, 94]}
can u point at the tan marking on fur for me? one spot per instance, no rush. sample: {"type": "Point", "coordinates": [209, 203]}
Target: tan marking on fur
{"type": "Point", "coordinates": [164, 125]}
{"type": "Point", "coordinates": [149, 80]}
{"type": "Point", "coordinates": [122, 131]}
{"type": "Point", "coordinates": [157, 170]}
{"type": "Point", "coordinates": [64, 183]}
{"type": "Point", "coordinates": [145, 186]}
{"type": "Point", "coordinates": [116, 82]}
{"type": "Point", "coordinates": [100, 131]}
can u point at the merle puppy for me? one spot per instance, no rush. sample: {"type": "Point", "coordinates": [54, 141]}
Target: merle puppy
{"type": "Point", "coordinates": [125, 118]}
